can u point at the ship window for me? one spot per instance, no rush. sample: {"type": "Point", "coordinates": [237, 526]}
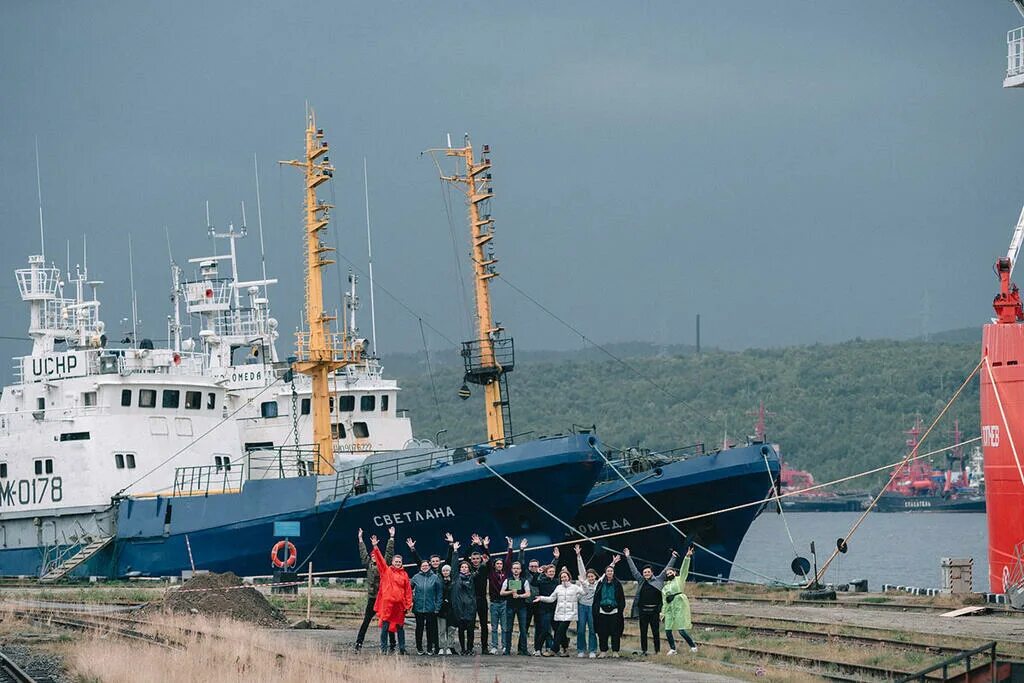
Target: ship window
{"type": "Point", "coordinates": [211, 401]}
{"type": "Point", "coordinates": [359, 430]}
{"type": "Point", "coordinates": [49, 466]}
{"type": "Point", "coordinates": [147, 398]}
{"type": "Point", "coordinates": [338, 430]}
{"type": "Point", "coordinates": [44, 466]}
{"type": "Point", "coordinates": [119, 460]}
{"type": "Point", "coordinates": [89, 398]}
{"type": "Point", "coordinates": [3, 470]}
{"type": "Point", "coordinates": [172, 398]}
{"type": "Point", "coordinates": [39, 466]}
{"type": "Point", "coordinates": [330, 404]}
{"type": "Point", "coordinates": [74, 436]}
{"type": "Point", "coordinates": [41, 403]}
{"type": "Point", "coordinates": [1011, 362]}
{"type": "Point", "coordinates": [367, 403]}
{"type": "Point", "coordinates": [193, 400]}
{"type": "Point", "coordinates": [268, 409]}
{"type": "Point", "coordinates": [126, 397]}
{"type": "Point", "coordinates": [129, 459]}
{"type": "Point", "coordinates": [222, 462]}
{"type": "Point", "coordinates": [384, 403]}
{"type": "Point", "coordinates": [305, 406]}
{"type": "Point", "coordinates": [347, 403]}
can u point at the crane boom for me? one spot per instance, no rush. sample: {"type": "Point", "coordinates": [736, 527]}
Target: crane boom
{"type": "Point", "coordinates": [1016, 240]}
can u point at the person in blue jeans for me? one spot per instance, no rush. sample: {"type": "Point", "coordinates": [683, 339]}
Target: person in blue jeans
{"type": "Point", "coordinates": [586, 645]}
{"type": "Point", "coordinates": [516, 590]}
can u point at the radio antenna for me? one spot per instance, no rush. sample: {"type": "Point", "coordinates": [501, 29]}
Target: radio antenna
{"type": "Point", "coordinates": [369, 254]}
{"type": "Point", "coordinates": [259, 220]}
{"type": "Point", "coordinates": [131, 282]}
{"type": "Point", "coordinates": [39, 193]}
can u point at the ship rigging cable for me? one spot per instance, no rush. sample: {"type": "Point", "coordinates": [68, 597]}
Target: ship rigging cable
{"type": "Point", "coordinates": [608, 353]}
{"type": "Point", "coordinates": [845, 540]}
{"type": "Point", "coordinates": [733, 508]}
{"type": "Point", "coordinates": [679, 531]}
{"type": "Point", "coordinates": [782, 513]}
{"type": "Point", "coordinates": [1002, 414]}
{"type": "Point", "coordinates": [196, 440]}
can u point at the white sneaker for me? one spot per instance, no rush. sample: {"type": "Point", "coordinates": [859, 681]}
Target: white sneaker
{"type": "Point", "coordinates": [592, 655]}
{"type": "Point", "coordinates": [693, 649]}
{"type": "Point", "coordinates": [671, 652]}
{"type": "Point", "coordinates": [494, 650]}
{"type": "Point", "coordinates": [615, 655]}
{"type": "Point", "coordinates": [535, 653]}
{"type": "Point", "coordinates": [581, 655]}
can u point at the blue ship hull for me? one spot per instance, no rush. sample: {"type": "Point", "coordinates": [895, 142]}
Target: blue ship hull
{"type": "Point", "coordinates": [235, 531]}
{"type": "Point", "coordinates": [684, 488]}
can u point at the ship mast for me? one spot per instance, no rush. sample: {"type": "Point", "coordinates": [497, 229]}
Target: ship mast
{"type": "Point", "coordinates": [318, 350]}
{"type": "Point", "coordinates": [490, 356]}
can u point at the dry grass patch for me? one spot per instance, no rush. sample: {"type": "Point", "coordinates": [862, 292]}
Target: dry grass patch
{"type": "Point", "coordinates": [230, 652]}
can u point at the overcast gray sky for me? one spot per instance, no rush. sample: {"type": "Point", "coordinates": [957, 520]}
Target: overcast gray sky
{"type": "Point", "coordinates": [794, 171]}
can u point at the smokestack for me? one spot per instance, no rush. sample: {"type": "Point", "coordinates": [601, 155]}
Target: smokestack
{"type": "Point", "coordinates": [698, 333]}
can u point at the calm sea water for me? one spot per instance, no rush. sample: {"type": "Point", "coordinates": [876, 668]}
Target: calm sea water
{"type": "Point", "coordinates": [902, 547]}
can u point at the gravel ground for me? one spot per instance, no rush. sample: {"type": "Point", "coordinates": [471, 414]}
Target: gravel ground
{"type": "Point", "coordinates": [488, 669]}
{"type": "Point", "coordinates": [1002, 628]}
{"type": "Point", "coordinates": [39, 663]}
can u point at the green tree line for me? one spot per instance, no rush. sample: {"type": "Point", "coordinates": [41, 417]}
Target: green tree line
{"type": "Point", "coordinates": [836, 409]}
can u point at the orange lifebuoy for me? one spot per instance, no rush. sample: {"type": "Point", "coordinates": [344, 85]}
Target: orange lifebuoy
{"type": "Point", "coordinates": [290, 559]}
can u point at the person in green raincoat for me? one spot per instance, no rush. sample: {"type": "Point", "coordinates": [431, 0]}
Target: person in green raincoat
{"type": "Point", "coordinates": [675, 606]}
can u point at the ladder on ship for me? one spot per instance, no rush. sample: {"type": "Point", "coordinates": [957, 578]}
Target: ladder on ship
{"type": "Point", "coordinates": [74, 561]}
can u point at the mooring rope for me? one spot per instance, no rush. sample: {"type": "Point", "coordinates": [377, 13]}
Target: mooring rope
{"type": "Point", "coordinates": [782, 513]}
{"type": "Point", "coordinates": [903, 463]}
{"type": "Point", "coordinates": [671, 523]}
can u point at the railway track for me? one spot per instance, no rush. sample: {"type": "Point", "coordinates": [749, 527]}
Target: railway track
{"type": "Point", "coordinates": [9, 671]}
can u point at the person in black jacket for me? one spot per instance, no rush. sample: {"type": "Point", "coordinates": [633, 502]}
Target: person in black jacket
{"type": "Point", "coordinates": [463, 607]}
{"type": "Point", "coordinates": [435, 560]}
{"type": "Point", "coordinates": [480, 563]}
{"type": "Point", "coordinates": [532, 572]}
{"type": "Point", "coordinates": [446, 626]}
{"type": "Point", "coordinates": [609, 608]}
{"type": "Point", "coordinates": [545, 585]}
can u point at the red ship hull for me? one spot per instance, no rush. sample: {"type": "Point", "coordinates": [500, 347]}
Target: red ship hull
{"type": "Point", "coordinates": [1002, 430]}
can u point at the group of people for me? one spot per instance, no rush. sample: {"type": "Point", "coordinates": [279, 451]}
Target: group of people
{"type": "Point", "coordinates": [448, 604]}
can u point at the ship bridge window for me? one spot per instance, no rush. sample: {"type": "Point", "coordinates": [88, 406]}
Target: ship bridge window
{"type": "Point", "coordinates": [193, 400]}
{"type": "Point", "coordinates": [126, 397]}
{"type": "Point", "coordinates": [222, 462]}
{"type": "Point", "coordinates": [119, 460]}
{"type": "Point", "coordinates": [122, 460]}
{"type": "Point", "coordinates": [211, 401]}
{"type": "Point", "coordinates": [172, 398]}
{"type": "Point", "coordinates": [384, 403]}
{"type": "Point", "coordinates": [147, 398]}
{"type": "Point", "coordinates": [89, 398]}
{"type": "Point", "coordinates": [346, 404]}
{"type": "Point", "coordinates": [338, 430]}
{"type": "Point", "coordinates": [74, 436]}
{"type": "Point", "coordinates": [268, 409]}
{"type": "Point", "coordinates": [3, 470]}
{"type": "Point", "coordinates": [44, 466]}
{"type": "Point", "coordinates": [304, 408]}
{"type": "Point", "coordinates": [359, 430]}
{"type": "Point", "coordinates": [367, 403]}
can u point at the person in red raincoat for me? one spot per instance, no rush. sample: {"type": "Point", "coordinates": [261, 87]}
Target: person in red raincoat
{"type": "Point", "coordinates": [394, 598]}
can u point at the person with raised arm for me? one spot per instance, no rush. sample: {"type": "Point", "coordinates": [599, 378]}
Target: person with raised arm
{"type": "Point", "coordinates": [436, 561]}
{"type": "Point", "coordinates": [648, 600]}
{"type": "Point", "coordinates": [533, 572]}
{"type": "Point", "coordinates": [544, 585]}
{"type": "Point", "coordinates": [517, 593]}
{"type": "Point", "coordinates": [427, 596]}
{"type": "Point", "coordinates": [496, 576]}
{"type": "Point", "coordinates": [565, 597]}
{"type": "Point", "coordinates": [394, 598]}
{"type": "Point", "coordinates": [609, 609]}
{"type": "Point", "coordinates": [463, 603]}
{"type": "Point", "coordinates": [479, 560]}
{"type": "Point", "coordinates": [446, 627]}
{"type": "Point", "coordinates": [675, 609]}
{"type": "Point", "coordinates": [586, 645]}
{"type": "Point", "coordinates": [372, 584]}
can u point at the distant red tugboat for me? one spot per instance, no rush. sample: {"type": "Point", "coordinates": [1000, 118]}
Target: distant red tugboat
{"type": "Point", "coordinates": [920, 487]}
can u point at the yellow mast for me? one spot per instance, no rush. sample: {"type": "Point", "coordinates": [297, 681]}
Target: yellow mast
{"type": "Point", "coordinates": [318, 350]}
{"type": "Point", "coordinates": [490, 356]}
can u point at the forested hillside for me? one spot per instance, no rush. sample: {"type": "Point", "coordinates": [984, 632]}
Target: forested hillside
{"type": "Point", "coordinates": [838, 409]}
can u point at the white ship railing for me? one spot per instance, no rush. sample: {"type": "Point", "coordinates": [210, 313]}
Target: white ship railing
{"type": "Point", "coordinates": [12, 420]}
{"type": "Point", "coordinates": [242, 322]}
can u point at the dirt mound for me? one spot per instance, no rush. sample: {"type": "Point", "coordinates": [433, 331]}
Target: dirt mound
{"type": "Point", "coordinates": [220, 595]}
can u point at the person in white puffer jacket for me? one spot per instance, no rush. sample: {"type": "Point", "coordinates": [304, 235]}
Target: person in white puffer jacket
{"type": "Point", "coordinates": [565, 596]}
